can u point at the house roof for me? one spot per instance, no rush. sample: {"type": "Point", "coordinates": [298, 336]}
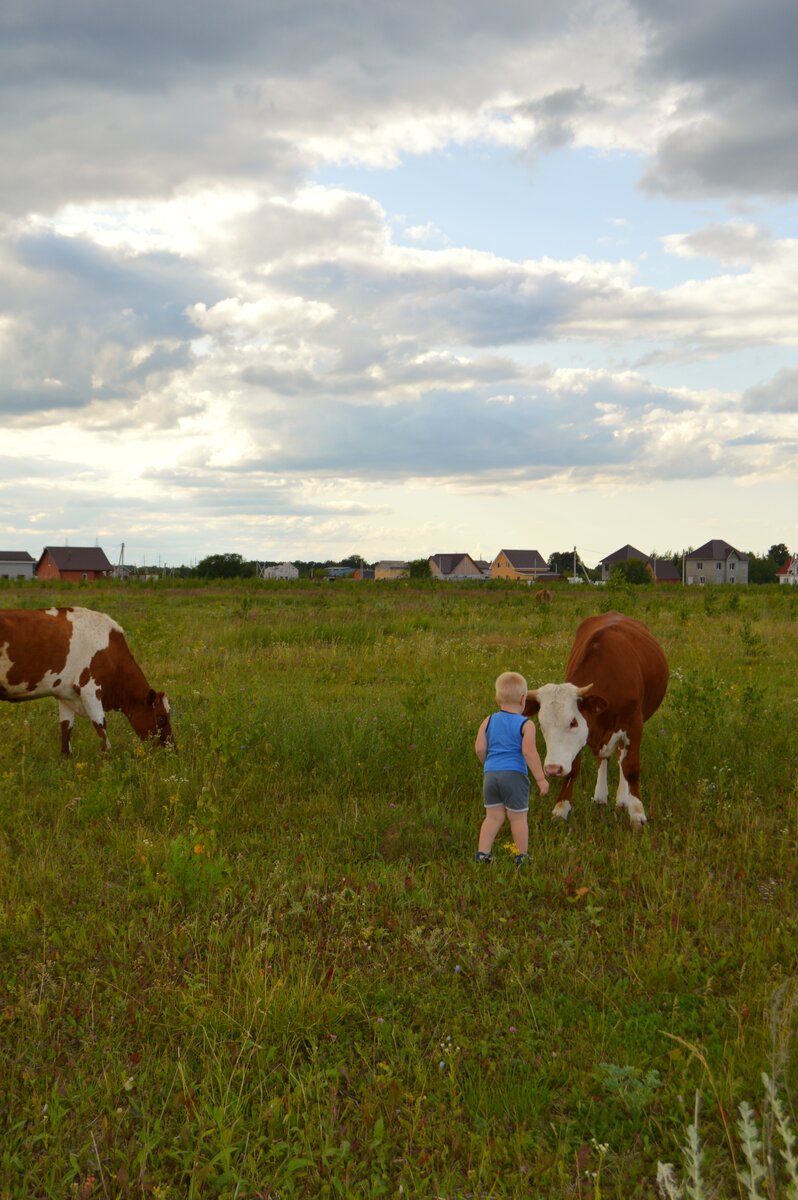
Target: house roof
{"type": "Point", "coordinates": [446, 563]}
{"type": "Point", "coordinates": [392, 564]}
{"type": "Point", "coordinates": [524, 560]}
{"type": "Point", "coordinates": [666, 572]}
{"type": "Point", "coordinates": [16, 556]}
{"type": "Point", "coordinates": [717, 548]}
{"type": "Point", "coordinates": [625, 554]}
{"type": "Point", "coordinates": [77, 558]}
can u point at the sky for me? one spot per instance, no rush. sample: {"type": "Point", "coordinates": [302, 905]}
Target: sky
{"type": "Point", "coordinates": [307, 278]}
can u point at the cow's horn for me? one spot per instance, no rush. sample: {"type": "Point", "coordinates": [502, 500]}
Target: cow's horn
{"type": "Point", "coordinates": [583, 691]}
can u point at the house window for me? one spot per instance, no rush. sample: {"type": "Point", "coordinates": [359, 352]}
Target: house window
{"type": "Point", "coordinates": [701, 579]}
{"type": "Point", "coordinates": [731, 566]}
{"type": "Point", "coordinates": [718, 566]}
{"type": "Point", "coordinates": [699, 567]}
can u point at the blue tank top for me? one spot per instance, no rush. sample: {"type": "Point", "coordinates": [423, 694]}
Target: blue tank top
{"type": "Point", "coordinates": [504, 732]}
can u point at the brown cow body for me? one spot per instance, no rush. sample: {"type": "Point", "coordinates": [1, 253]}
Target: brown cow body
{"type": "Point", "coordinates": [616, 677]}
{"type": "Point", "coordinates": [81, 659]}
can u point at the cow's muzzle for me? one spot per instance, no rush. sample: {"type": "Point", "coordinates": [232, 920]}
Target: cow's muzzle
{"type": "Point", "coordinates": [554, 769]}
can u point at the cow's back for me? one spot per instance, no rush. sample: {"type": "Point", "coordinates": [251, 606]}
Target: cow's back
{"type": "Point", "coordinates": [622, 659]}
{"type": "Point", "coordinates": [44, 651]}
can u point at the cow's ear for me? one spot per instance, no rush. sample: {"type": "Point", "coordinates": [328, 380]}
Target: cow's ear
{"type": "Point", "coordinates": [593, 704]}
{"type": "Point", "coordinates": [532, 704]}
{"type": "Point", "coordinates": [151, 698]}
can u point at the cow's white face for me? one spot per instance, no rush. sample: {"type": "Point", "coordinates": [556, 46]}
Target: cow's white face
{"type": "Point", "coordinates": [562, 724]}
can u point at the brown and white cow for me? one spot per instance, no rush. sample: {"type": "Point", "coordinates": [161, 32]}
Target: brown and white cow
{"type": "Point", "coordinates": [616, 677]}
{"type": "Point", "coordinates": [82, 660]}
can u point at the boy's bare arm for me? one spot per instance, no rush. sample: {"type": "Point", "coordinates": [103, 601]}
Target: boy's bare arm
{"type": "Point", "coordinates": [532, 757]}
{"type": "Point", "coordinates": [481, 744]}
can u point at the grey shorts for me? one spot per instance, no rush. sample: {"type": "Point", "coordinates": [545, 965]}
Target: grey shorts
{"type": "Point", "coordinates": [509, 788]}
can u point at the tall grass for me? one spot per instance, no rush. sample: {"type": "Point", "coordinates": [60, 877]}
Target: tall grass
{"type": "Point", "coordinates": [265, 965]}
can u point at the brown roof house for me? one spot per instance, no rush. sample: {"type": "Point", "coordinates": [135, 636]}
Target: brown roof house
{"type": "Point", "coordinates": [518, 564]}
{"type": "Point", "coordinates": [716, 562]}
{"type": "Point", "coordinates": [74, 563]}
{"type": "Point", "coordinates": [661, 570]}
{"type": "Point", "coordinates": [454, 566]}
{"type": "Point", "coordinates": [16, 564]}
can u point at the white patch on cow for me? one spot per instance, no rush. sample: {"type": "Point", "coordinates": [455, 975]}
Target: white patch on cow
{"type": "Point", "coordinates": [51, 612]}
{"type": "Point", "coordinates": [5, 663]}
{"type": "Point", "coordinates": [561, 809]}
{"type": "Point", "coordinates": [563, 727]}
{"type": "Point", "coordinates": [166, 705]}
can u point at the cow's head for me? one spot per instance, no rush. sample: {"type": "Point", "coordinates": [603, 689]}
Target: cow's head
{"type": "Point", "coordinates": [158, 722]}
{"type": "Point", "coordinates": [563, 711]}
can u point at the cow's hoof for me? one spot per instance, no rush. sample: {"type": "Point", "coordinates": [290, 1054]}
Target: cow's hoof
{"type": "Point", "coordinates": [561, 811]}
{"type": "Point", "coordinates": [600, 799]}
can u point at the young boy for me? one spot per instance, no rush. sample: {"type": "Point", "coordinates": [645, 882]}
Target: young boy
{"type": "Point", "coordinates": [506, 746]}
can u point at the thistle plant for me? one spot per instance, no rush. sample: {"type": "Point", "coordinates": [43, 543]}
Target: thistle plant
{"type": "Point", "coordinates": [761, 1176]}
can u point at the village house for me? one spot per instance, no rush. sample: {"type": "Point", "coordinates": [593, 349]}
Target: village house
{"type": "Point", "coordinates": [284, 570]}
{"type": "Point", "coordinates": [16, 564]}
{"type": "Point", "coordinates": [518, 564]}
{"type": "Point", "coordinates": [716, 562]}
{"type": "Point", "coordinates": [453, 567]}
{"type": "Point", "coordinates": [660, 570]}
{"type": "Point", "coordinates": [789, 572]}
{"type": "Point", "coordinates": [391, 569]}
{"type": "Point", "coordinates": [73, 563]}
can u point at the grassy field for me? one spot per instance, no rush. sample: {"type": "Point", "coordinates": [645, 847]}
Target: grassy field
{"type": "Point", "coordinates": [267, 966]}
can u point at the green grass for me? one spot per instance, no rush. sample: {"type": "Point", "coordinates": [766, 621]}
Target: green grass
{"type": "Point", "coordinates": [266, 966]}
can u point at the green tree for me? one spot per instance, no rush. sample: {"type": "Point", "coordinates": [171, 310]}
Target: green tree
{"type": "Point", "coordinates": [225, 566]}
{"type": "Point", "coordinates": [419, 568]}
{"type": "Point", "coordinates": [779, 554]}
{"type": "Point", "coordinates": [632, 570]}
{"type": "Point", "coordinates": [761, 568]}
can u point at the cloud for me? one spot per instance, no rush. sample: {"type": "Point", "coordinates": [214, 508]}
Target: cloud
{"type": "Point", "coordinates": [779, 395]}
{"type": "Point", "coordinates": [735, 243]}
{"type": "Point", "coordinates": [738, 131]}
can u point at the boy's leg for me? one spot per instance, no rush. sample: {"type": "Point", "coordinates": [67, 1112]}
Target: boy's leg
{"type": "Point", "coordinates": [494, 819]}
{"type": "Point", "coordinates": [520, 829]}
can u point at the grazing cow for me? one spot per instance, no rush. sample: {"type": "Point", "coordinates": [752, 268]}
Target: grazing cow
{"type": "Point", "coordinates": [82, 660]}
{"type": "Point", "coordinates": [616, 677]}
{"type": "Point", "coordinates": [544, 596]}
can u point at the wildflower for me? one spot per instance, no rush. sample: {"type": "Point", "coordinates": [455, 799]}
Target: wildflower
{"type": "Point", "coordinates": [199, 848]}
{"type": "Point", "coordinates": [457, 970]}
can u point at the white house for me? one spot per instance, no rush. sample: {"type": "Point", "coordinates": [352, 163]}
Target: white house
{"type": "Point", "coordinates": [716, 562]}
{"type": "Point", "coordinates": [284, 570]}
{"type": "Point", "coordinates": [16, 564]}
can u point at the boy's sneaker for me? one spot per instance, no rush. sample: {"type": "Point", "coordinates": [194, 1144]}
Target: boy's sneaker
{"type": "Point", "coordinates": [483, 858]}
{"type": "Point", "coordinates": [522, 860]}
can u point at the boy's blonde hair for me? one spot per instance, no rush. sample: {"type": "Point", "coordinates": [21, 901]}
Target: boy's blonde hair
{"type": "Point", "coordinates": [510, 687]}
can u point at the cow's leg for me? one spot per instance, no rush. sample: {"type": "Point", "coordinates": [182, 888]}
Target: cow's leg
{"type": "Point", "coordinates": [66, 717]}
{"type": "Point", "coordinates": [563, 806]}
{"type": "Point", "coordinates": [629, 782]}
{"type": "Point", "coordinates": [93, 709]}
{"type": "Point", "coordinates": [601, 794]}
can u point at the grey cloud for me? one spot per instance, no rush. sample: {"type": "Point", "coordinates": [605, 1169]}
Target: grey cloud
{"type": "Point", "coordinates": [79, 313]}
{"type": "Point", "coordinates": [555, 115]}
{"type": "Point", "coordinates": [779, 395]}
{"type": "Point", "coordinates": [741, 136]}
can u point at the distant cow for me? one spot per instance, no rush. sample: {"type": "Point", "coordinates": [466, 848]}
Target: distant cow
{"type": "Point", "coordinates": [82, 660]}
{"type": "Point", "coordinates": [544, 596]}
{"type": "Point", "coordinates": [616, 678]}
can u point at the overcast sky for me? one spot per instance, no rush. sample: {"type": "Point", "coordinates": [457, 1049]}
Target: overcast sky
{"type": "Point", "coordinates": [298, 279]}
